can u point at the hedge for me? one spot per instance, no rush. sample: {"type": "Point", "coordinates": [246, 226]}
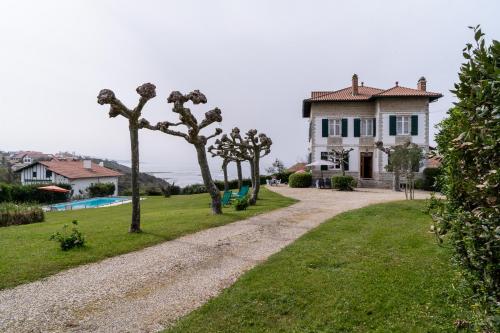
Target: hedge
{"type": "Point", "coordinates": [431, 181]}
{"type": "Point", "coordinates": [344, 183]}
{"type": "Point", "coordinates": [101, 189]}
{"type": "Point", "coordinates": [300, 179]}
{"type": "Point", "coordinates": [16, 214]}
{"type": "Point", "coordinates": [31, 193]}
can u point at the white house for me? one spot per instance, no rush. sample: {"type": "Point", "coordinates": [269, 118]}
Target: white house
{"type": "Point", "coordinates": [79, 173]}
{"type": "Point", "coordinates": [358, 116]}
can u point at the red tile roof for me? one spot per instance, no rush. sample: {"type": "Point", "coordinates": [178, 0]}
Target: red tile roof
{"type": "Point", "coordinates": [75, 170]}
{"type": "Point", "coordinates": [367, 93]}
{"type": "Point", "coordinates": [364, 94]}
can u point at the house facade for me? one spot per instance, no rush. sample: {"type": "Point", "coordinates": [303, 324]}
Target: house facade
{"type": "Point", "coordinates": [80, 174]}
{"type": "Point", "coordinates": [358, 116]}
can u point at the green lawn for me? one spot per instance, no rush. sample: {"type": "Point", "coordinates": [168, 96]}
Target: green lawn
{"type": "Point", "coordinates": [375, 269]}
{"type": "Point", "coordinates": [26, 254]}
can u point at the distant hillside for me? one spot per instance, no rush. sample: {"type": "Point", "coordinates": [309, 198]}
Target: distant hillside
{"type": "Point", "coordinates": [124, 182]}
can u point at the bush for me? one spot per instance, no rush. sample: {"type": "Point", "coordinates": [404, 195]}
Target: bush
{"type": "Point", "coordinates": [16, 214]}
{"type": "Point", "coordinates": [344, 183]}
{"type": "Point", "coordinates": [154, 191]}
{"type": "Point", "coordinates": [300, 179]}
{"type": "Point", "coordinates": [468, 143]}
{"type": "Point", "coordinates": [31, 193]}
{"type": "Point", "coordinates": [283, 176]}
{"type": "Point", "coordinates": [69, 240]}
{"type": "Point", "coordinates": [101, 189]}
{"type": "Point", "coordinates": [241, 203]}
{"type": "Point", "coordinates": [420, 184]}
{"type": "Point", "coordinates": [431, 179]}
{"type": "Point", "coordinates": [194, 189]}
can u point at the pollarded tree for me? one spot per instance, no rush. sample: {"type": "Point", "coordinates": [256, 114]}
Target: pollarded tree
{"type": "Point", "coordinates": [193, 135]}
{"type": "Point", "coordinates": [117, 108]}
{"type": "Point", "coordinates": [258, 146]}
{"type": "Point", "coordinates": [228, 155]}
{"type": "Point", "coordinates": [340, 156]}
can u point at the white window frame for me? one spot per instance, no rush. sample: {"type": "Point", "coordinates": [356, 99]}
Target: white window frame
{"type": "Point", "coordinates": [402, 125]}
{"type": "Point", "coordinates": [366, 125]}
{"type": "Point", "coordinates": [334, 127]}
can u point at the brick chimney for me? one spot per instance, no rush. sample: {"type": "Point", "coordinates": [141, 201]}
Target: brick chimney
{"type": "Point", "coordinates": [355, 85]}
{"type": "Point", "coordinates": [422, 84]}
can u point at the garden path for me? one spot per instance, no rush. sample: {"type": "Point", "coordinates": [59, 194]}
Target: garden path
{"type": "Point", "coordinates": [148, 290]}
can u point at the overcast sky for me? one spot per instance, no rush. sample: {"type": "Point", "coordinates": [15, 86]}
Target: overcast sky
{"type": "Point", "coordinates": [256, 60]}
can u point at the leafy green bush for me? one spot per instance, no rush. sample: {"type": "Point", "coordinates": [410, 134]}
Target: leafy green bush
{"type": "Point", "coordinates": [431, 179]}
{"type": "Point", "coordinates": [468, 143]}
{"type": "Point", "coordinates": [101, 189]}
{"type": "Point", "coordinates": [300, 179]}
{"type": "Point", "coordinates": [283, 176]}
{"type": "Point", "coordinates": [420, 184]}
{"type": "Point", "coordinates": [344, 183]}
{"type": "Point", "coordinates": [153, 191]}
{"type": "Point", "coordinates": [194, 189]}
{"type": "Point", "coordinates": [241, 203]}
{"type": "Point", "coordinates": [69, 239]}
{"type": "Point", "coordinates": [16, 214]}
{"type": "Point", "coordinates": [31, 193]}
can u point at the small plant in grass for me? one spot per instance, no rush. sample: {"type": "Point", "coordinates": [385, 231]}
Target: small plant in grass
{"type": "Point", "coordinates": [69, 239]}
{"type": "Point", "coordinates": [241, 203]}
{"type": "Point", "coordinates": [344, 183]}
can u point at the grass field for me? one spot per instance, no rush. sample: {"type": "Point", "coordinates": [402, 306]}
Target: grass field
{"type": "Point", "coordinates": [27, 254]}
{"type": "Point", "coordinates": [375, 269]}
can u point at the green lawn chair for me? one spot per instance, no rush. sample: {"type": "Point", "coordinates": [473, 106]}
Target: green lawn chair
{"type": "Point", "coordinates": [242, 192]}
{"type": "Point", "coordinates": [226, 198]}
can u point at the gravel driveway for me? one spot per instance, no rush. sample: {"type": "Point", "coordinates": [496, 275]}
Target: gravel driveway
{"type": "Point", "coordinates": [147, 290]}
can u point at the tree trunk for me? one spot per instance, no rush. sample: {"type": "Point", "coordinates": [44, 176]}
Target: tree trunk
{"type": "Point", "coordinates": [207, 179]}
{"type": "Point", "coordinates": [395, 182]}
{"type": "Point", "coordinates": [135, 226]}
{"type": "Point", "coordinates": [224, 170]}
{"type": "Point", "coordinates": [256, 179]}
{"type": "Point", "coordinates": [240, 176]}
{"type": "Point", "coordinates": [252, 173]}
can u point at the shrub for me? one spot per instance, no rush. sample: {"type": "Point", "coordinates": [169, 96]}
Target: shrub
{"type": "Point", "coordinates": [344, 183]}
{"type": "Point", "coordinates": [153, 191]}
{"type": "Point", "coordinates": [68, 240]}
{"type": "Point", "coordinates": [31, 193]}
{"type": "Point", "coordinates": [194, 189]}
{"type": "Point", "coordinates": [16, 214]}
{"type": "Point", "coordinates": [283, 176]}
{"type": "Point", "coordinates": [241, 203]}
{"type": "Point", "coordinates": [101, 189]}
{"type": "Point", "coordinates": [300, 179]}
{"type": "Point", "coordinates": [469, 145]}
{"type": "Point", "coordinates": [431, 179]}
{"type": "Point", "coordinates": [420, 184]}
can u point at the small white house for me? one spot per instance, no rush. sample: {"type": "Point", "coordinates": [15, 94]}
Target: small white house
{"type": "Point", "coordinates": [80, 174]}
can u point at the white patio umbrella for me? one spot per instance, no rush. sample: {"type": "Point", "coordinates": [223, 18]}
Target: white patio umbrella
{"type": "Point", "coordinates": [320, 163]}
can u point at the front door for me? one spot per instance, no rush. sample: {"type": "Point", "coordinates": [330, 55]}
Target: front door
{"type": "Point", "coordinates": [366, 161]}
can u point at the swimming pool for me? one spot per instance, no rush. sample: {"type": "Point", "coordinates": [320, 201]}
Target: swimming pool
{"type": "Point", "coordinates": [90, 203]}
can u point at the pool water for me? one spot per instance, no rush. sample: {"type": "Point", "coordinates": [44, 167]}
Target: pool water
{"type": "Point", "coordinates": [89, 203]}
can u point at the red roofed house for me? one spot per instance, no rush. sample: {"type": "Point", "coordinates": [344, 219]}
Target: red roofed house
{"type": "Point", "coordinates": [358, 116]}
{"type": "Point", "coordinates": [79, 173]}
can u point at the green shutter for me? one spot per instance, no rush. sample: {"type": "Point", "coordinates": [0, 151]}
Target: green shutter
{"type": "Point", "coordinates": [392, 125]}
{"type": "Point", "coordinates": [374, 126]}
{"type": "Point", "coordinates": [324, 128]}
{"type": "Point", "coordinates": [324, 167]}
{"type": "Point", "coordinates": [344, 127]}
{"type": "Point", "coordinates": [346, 163]}
{"type": "Point", "coordinates": [414, 125]}
{"type": "Point", "coordinates": [357, 126]}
